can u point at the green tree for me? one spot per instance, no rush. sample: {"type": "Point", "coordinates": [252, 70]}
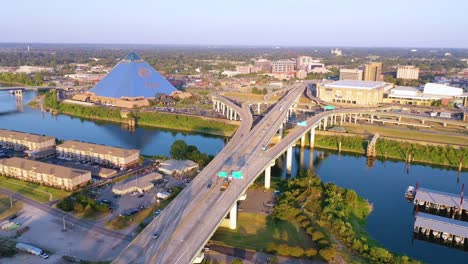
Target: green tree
{"type": "Point", "coordinates": [380, 255]}
{"type": "Point", "coordinates": [179, 150]}
{"type": "Point", "coordinates": [237, 261]}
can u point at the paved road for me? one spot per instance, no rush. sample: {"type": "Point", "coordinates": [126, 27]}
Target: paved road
{"type": "Point", "coordinates": [69, 219]}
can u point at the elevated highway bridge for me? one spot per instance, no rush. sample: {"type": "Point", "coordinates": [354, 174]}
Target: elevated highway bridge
{"type": "Point", "coordinates": [189, 221]}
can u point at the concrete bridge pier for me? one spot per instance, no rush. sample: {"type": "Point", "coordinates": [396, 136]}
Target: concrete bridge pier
{"type": "Point", "coordinates": [19, 95]}
{"type": "Point", "coordinates": [303, 140]}
{"type": "Point", "coordinates": [325, 123]}
{"type": "Point", "coordinates": [289, 160]}
{"type": "Point", "coordinates": [268, 175]}
{"type": "Point", "coordinates": [233, 217]}
{"type": "Point", "coordinates": [371, 119]}
{"type": "Point", "coordinates": [355, 118]}
{"type": "Point", "coordinates": [280, 131]}
{"type": "Point", "coordinates": [341, 120]}
{"type": "Point", "coordinates": [258, 108]}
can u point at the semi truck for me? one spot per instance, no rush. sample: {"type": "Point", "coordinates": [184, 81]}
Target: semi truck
{"type": "Point", "coordinates": [32, 250]}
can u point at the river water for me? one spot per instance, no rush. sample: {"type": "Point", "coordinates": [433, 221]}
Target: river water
{"type": "Point", "coordinates": [383, 185]}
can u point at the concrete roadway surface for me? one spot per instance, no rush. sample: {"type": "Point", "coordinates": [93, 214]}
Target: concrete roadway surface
{"type": "Point", "coordinates": [69, 219]}
{"type": "Point", "coordinates": [191, 219]}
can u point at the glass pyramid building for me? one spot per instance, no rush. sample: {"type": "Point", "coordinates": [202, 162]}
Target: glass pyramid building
{"type": "Point", "coordinates": [132, 77]}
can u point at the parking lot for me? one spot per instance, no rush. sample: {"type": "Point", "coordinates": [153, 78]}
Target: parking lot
{"type": "Point", "coordinates": [125, 203]}
{"type": "Point", "coordinates": [45, 231]}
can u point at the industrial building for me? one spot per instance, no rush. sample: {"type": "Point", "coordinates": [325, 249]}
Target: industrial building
{"type": "Point", "coordinates": [44, 173]}
{"type": "Point", "coordinates": [351, 74]}
{"type": "Point", "coordinates": [140, 184]}
{"type": "Point", "coordinates": [35, 146]}
{"type": "Point", "coordinates": [408, 72]}
{"type": "Point", "coordinates": [131, 83]}
{"type": "Point", "coordinates": [171, 167]}
{"type": "Point", "coordinates": [353, 92]}
{"type": "Point", "coordinates": [373, 72]}
{"type": "Point", "coordinates": [105, 155]}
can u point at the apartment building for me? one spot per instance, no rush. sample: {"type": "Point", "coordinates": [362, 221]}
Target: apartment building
{"type": "Point", "coordinates": [23, 141]}
{"type": "Point", "coordinates": [44, 173]}
{"type": "Point", "coordinates": [105, 155]}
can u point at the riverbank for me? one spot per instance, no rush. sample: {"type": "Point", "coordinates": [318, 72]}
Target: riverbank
{"type": "Point", "coordinates": [413, 150]}
{"type": "Point", "coordinates": [447, 156]}
{"type": "Point", "coordinates": [179, 122]}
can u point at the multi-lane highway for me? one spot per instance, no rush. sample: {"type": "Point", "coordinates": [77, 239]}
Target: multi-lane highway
{"type": "Point", "coordinates": [190, 220]}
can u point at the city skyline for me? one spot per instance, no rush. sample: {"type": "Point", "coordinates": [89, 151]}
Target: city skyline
{"type": "Point", "coordinates": [416, 24]}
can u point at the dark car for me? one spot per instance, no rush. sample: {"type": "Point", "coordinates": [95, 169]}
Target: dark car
{"type": "Point", "coordinates": [209, 185]}
{"type": "Point", "coordinates": [156, 235]}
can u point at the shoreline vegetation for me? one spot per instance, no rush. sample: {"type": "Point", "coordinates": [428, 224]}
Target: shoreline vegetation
{"type": "Point", "coordinates": [446, 156]}
{"type": "Point", "coordinates": [151, 119]}
{"type": "Point", "coordinates": [335, 219]}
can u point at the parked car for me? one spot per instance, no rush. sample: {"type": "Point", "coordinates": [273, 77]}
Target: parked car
{"type": "Point", "coordinates": [156, 235]}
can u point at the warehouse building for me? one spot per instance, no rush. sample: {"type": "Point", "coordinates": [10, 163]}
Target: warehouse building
{"type": "Point", "coordinates": [44, 173]}
{"type": "Point", "coordinates": [100, 154]}
{"type": "Point", "coordinates": [177, 167]}
{"type": "Point", "coordinates": [140, 184]}
{"type": "Point", "coordinates": [353, 92]}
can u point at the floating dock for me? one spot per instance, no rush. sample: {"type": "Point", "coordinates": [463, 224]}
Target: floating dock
{"type": "Point", "coordinates": [438, 202]}
{"type": "Point", "coordinates": [441, 229]}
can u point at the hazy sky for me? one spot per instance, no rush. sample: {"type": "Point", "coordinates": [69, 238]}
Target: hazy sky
{"type": "Point", "coordinates": [396, 23]}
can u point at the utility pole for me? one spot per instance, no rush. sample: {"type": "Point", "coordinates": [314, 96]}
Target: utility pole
{"type": "Point", "coordinates": [11, 202]}
{"type": "Point", "coordinates": [64, 226]}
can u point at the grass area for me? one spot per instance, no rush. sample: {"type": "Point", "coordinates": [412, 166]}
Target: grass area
{"type": "Point", "coordinates": [406, 134]}
{"type": "Point", "coordinates": [5, 210]}
{"type": "Point", "coordinates": [244, 97]}
{"type": "Point", "coordinates": [121, 222]}
{"type": "Point", "coordinates": [256, 231]}
{"type": "Point", "coordinates": [32, 190]}
{"type": "Point", "coordinates": [153, 119]}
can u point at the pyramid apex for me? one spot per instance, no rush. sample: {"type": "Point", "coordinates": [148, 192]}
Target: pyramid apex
{"type": "Point", "coordinates": [132, 56]}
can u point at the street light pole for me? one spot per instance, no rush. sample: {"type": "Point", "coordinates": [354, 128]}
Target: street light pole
{"type": "Point", "coordinates": [64, 226]}
{"type": "Point", "coordinates": [11, 202]}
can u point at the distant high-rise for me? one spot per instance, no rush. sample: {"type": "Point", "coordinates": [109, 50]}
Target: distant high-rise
{"type": "Point", "coordinates": [373, 71]}
{"type": "Point", "coordinates": [264, 64]}
{"type": "Point", "coordinates": [308, 64]}
{"type": "Point", "coordinates": [351, 74]}
{"type": "Point", "coordinates": [336, 52]}
{"type": "Point", "coordinates": [283, 66]}
{"type": "Point", "coordinates": [408, 72]}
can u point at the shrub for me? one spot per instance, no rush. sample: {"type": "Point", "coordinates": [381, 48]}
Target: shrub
{"type": "Point", "coordinates": [380, 255]}
{"type": "Point", "coordinates": [328, 253]}
{"type": "Point", "coordinates": [311, 252]}
{"type": "Point", "coordinates": [317, 235]}
{"type": "Point", "coordinates": [237, 261]}
{"type": "Point", "coordinates": [7, 247]}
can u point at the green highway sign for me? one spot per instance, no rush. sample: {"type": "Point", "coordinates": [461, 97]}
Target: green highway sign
{"type": "Point", "coordinates": [222, 174]}
{"type": "Point", "coordinates": [237, 175]}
